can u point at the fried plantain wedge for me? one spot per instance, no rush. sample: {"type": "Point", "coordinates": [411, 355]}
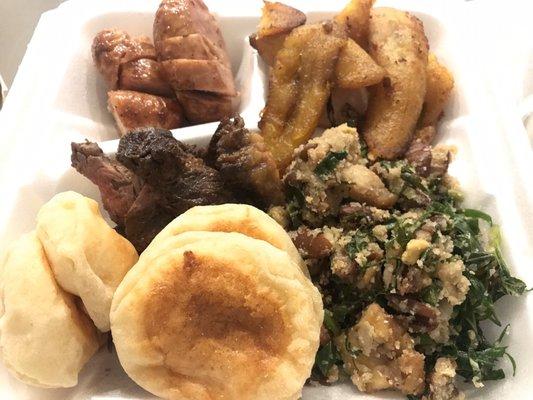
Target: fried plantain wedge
{"type": "Point", "coordinates": [299, 87]}
{"type": "Point", "coordinates": [356, 69]}
{"type": "Point", "coordinates": [355, 18]}
{"type": "Point", "coordinates": [439, 85]}
{"type": "Point", "coordinates": [277, 21]}
{"type": "Point", "coordinates": [396, 42]}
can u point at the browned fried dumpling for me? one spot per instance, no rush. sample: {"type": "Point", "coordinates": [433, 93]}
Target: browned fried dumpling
{"type": "Point", "coordinates": [45, 340]}
{"type": "Point", "coordinates": [210, 315]}
{"type": "Point", "coordinates": [87, 256]}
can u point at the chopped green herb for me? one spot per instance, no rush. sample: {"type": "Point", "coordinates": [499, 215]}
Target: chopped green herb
{"type": "Point", "coordinates": [295, 200]}
{"type": "Point", "coordinates": [363, 148]}
{"type": "Point", "coordinates": [329, 163]}
{"type": "Point", "coordinates": [351, 350]}
{"type": "Point", "coordinates": [326, 357]}
{"type": "Point", "coordinates": [412, 179]}
{"type": "Point", "coordinates": [330, 323]}
{"type": "Point", "coordinates": [431, 293]}
{"type": "Point", "coordinates": [358, 243]}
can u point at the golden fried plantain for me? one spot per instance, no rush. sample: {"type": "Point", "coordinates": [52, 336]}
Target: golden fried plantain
{"type": "Point", "coordinates": [277, 21]}
{"type": "Point", "coordinates": [439, 85]}
{"type": "Point", "coordinates": [300, 84]}
{"type": "Point", "coordinates": [396, 42]}
{"type": "Point", "coordinates": [356, 69]}
{"type": "Point", "coordinates": [355, 18]}
{"type": "Point", "coordinates": [279, 18]}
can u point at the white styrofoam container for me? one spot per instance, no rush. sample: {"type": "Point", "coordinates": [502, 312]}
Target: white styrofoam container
{"type": "Point", "coordinates": [58, 97]}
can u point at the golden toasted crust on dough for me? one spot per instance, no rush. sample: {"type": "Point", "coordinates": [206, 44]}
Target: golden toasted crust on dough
{"type": "Point", "coordinates": [87, 256]}
{"type": "Point", "coordinates": [44, 338]}
{"type": "Point", "coordinates": [240, 218]}
{"type": "Point", "coordinates": [217, 315]}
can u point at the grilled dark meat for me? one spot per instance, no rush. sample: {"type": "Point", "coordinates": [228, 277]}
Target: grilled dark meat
{"type": "Point", "coordinates": [177, 180]}
{"type": "Point", "coordinates": [245, 164]}
{"type": "Point", "coordinates": [155, 179]}
{"type": "Point", "coordinates": [118, 185]}
{"type": "Point", "coordinates": [148, 215]}
{"type": "Point", "coordinates": [166, 164]}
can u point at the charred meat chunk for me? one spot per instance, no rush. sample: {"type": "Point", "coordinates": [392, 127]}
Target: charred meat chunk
{"type": "Point", "coordinates": [118, 185]}
{"type": "Point", "coordinates": [166, 164]}
{"type": "Point", "coordinates": [245, 164]}
{"type": "Point", "coordinates": [155, 179]}
{"type": "Point", "coordinates": [148, 215]}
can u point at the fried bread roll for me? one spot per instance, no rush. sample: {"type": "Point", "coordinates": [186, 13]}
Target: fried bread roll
{"type": "Point", "coordinates": [240, 218]}
{"type": "Point", "coordinates": [45, 340]}
{"type": "Point", "coordinates": [87, 256]}
{"type": "Point", "coordinates": [217, 315]}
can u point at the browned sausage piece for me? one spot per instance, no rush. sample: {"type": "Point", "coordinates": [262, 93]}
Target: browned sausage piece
{"type": "Point", "coordinates": [112, 47]}
{"type": "Point", "coordinates": [176, 18]}
{"type": "Point", "coordinates": [193, 55]}
{"type": "Point", "coordinates": [144, 75]}
{"type": "Point", "coordinates": [133, 110]}
{"type": "Point", "coordinates": [200, 107]}
{"type": "Point", "coordinates": [204, 75]}
{"type": "Point", "coordinates": [192, 47]}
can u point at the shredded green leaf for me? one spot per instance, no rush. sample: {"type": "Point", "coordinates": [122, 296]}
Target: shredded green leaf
{"type": "Point", "coordinates": [328, 163]}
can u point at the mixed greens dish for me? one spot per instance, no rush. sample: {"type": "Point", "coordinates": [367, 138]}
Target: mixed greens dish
{"type": "Point", "coordinates": [407, 276]}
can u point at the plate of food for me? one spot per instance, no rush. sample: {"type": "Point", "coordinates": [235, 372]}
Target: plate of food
{"type": "Point", "coordinates": [248, 200]}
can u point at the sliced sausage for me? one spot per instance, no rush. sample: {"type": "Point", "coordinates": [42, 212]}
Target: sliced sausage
{"type": "Point", "coordinates": [133, 110]}
{"type": "Point", "coordinates": [192, 47]}
{"type": "Point", "coordinates": [112, 48]}
{"type": "Point", "coordinates": [144, 75]}
{"type": "Point", "coordinates": [193, 54]}
{"type": "Point", "coordinates": [204, 75]}
{"type": "Point", "coordinates": [176, 18]}
{"type": "Point", "coordinates": [200, 107]}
